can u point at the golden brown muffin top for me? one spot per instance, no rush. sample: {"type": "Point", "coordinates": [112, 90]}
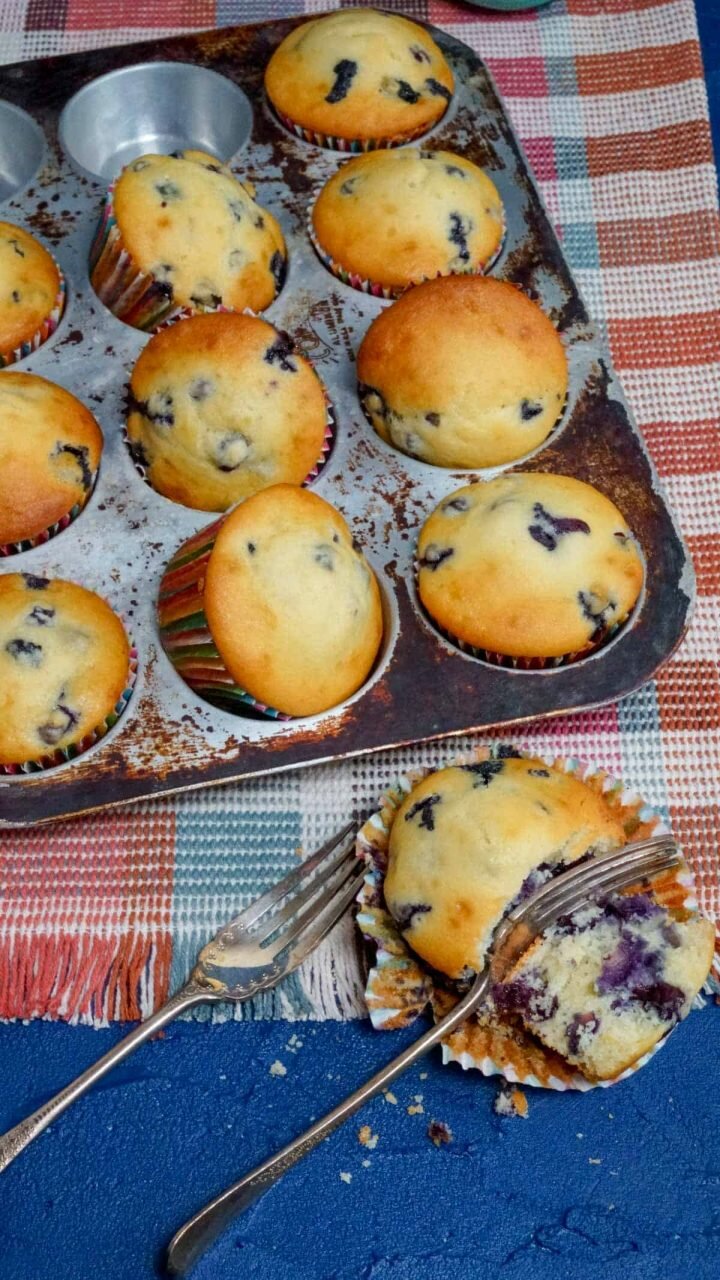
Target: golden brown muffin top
{"type": "Point", "coordinates": [398, 217]}
{"type": "Point", "coordinates": [64, 659]}
{"type": "Point", "coordinates": [50, 447]}
{"type": "Point", "coordinates": [360, 74]}
{"type": "Point", "coordinates": [529, 565]}
{"type": "Point", "coordinates": [29, 284]}
{"type": "Point", "coordinates": [292, 604]}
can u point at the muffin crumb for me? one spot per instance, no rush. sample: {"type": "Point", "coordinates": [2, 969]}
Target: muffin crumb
{"type": "Point", "coordinates": [439, 1133]}
{"type": "Point", "coordinates": [511, 1102]}
{"type": "Point", "coordinates": [278, 1068]}
{"type": "Point", "coordinates": [367, 1138]}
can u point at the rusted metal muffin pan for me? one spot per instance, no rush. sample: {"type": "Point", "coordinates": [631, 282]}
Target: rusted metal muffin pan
{"type": "Point", "coordinates": [423, 686]}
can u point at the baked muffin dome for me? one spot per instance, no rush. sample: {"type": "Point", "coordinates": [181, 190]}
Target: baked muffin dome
{"type": "Point", "coordinates": [465, 840]}
{"type": "Point", "coordinates": [50, 447]}
{"type": "Point", "coordinates": [359, 76]}
{"type": "Point", "coordinates": [195, 229]}
{"type": "Point", "coordinates": [463, 371]}
{"type": "Point", "coordinates": [528, 565]}
{"type": "Point", "coordinates": [293, 607]}
{"type": "Point", "coordinates": [394, 218]}
{"type": "Point", "coordinates": [604, 984]}
{"type": "Point", "coordinates": [29, 287]}
{"type": "Point", "coordinates": [221, 406]}
{"type": "Point", "coordinates": [64, 660]}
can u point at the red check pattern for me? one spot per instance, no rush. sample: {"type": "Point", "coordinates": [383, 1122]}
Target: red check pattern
{"type": "Point", "coordinates": [99, 916]}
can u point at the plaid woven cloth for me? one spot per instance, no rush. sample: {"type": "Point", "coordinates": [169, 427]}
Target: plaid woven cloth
{"type": "Point", "coordinates": [100, 917]}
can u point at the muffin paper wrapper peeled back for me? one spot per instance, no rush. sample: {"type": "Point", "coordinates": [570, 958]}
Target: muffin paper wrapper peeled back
{"type": "Point", "coordinates": [387, 291]}
{"type": "Point", "coordinates": [354, 145]}
{"type": "Point", "coordinates": [48, 327]}
{"type": "Point", "coordinates": [64, 754]}
{"type": "Point", "coordinates": [399, 988]}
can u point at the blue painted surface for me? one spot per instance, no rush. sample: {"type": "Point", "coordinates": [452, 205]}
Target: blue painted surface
{"type": "Point", "coordinates": [618, 1184]}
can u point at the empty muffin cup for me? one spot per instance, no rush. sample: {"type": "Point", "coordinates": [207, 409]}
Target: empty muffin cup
{"type": "Point", "coordinates": [401, 986]}
{"type": "Point", "coordinates": [22, 149]}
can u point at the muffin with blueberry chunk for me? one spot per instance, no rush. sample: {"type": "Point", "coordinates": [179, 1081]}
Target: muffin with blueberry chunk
{"type": "Point", "coordinates": [50, 447]}
{"type": "Point", "coordinates": [359, 79]}
{"type": "Point", "coordinates": [601, 987]}
{"type": "Point", "coordinates": [221, 406]}
{"type": "Point", "coordinates": [529, 567]}
{"type": "Point", "coordinates": [465, 840]}
{"type": "Point", "coordinates": [274, 607]}
{"type": "Point", "coordinates": [393, 218]}
{"type": "Point", "coordinates": [604, 984]}
{"type": "Point", "coordinates": [64, 660]}
{"type": "Point", "coordinates": [463, 372]}
{"type": "Point", "coordinates": [180, 232]}
{"type": "Point", "coordinates": [31, 293]}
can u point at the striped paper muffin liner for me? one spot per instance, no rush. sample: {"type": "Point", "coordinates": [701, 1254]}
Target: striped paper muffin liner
{"type": "Point", "coordinates": [354, 146]}
{"type": "Point", "coordinates": [388, 291]}
{"type": "Point", "coordinates": [75, 749]}
{"type": "Point", "coordinates": [38, 539]}
{"type": "Point", "coordinates": [185, 632]}
{"type": "Point", "coordinates": [330, 419]}
{"type": "Point", "coordinates": [399, 987]}
{"type": "Point", "coordinates": [134, 296]}
{"type": "Point", "coordinates": [47, 328]}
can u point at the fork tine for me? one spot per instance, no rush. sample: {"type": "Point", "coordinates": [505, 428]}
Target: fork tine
{"type": "Point", "coordinates": [326, 919]}
{"type": "Point", "coordinates": [285, 886]}
{"type": "Point", "coordinates": [618, 874]}
{"type": "Point", "coordinates": [272, 921]}
{"type": "Point", "coordinates": [304, 920]}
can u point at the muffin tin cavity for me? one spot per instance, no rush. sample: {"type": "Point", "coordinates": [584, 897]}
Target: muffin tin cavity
{"type": "Point", "coordinates": [152, 108]}
{"type": "Point", "coordinates": [22, 149]}
{"type": "Point", "coordinates": [422, 685]}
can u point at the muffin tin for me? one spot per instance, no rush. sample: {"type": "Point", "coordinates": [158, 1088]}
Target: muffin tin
{"type": "Point", "coordinates": [423, 686]}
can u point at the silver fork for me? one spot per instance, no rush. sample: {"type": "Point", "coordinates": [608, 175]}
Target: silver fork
{"type": "Point", "coordinates": [603, 874]}
{"type": "Point", "coordinates": [250, 954]}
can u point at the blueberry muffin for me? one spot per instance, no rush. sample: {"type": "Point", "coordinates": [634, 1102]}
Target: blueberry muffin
{"type": "Point", "coordinates": [603, 985]}
{"type": "Point", "coordinates": [275, 605]}
{"type": "Point", "coordinates": [393, 218]}
{"type": "Point", "coordinates": [50, 447]}
{"type": "Point", "coordinates": [358, 79]}
{"type": "Point", "coordinates": [529, 566]}
{"type": "Point", "coordinates": [222, 406]}
{"type": "Point", "coordinates": [608, 981]}
{"type": "Point", "coordinates": [465, 840]}
{"type": "Point", "coordinates": [463, 372]}
{"type": "Point", "coordinates": [30, 284]}
{"type": "Point", "coordinates": [64, 660]}
{"type": "Point", "coordinates": [195, 232]}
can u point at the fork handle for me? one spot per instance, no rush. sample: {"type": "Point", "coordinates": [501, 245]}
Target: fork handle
{"type": "Point", "coordinates": [199, 1232]}
{"type": "Point", "coordinates": [16, 1139]}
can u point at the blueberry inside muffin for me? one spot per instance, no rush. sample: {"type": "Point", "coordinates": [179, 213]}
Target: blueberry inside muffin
{"type": "Point", "coordinates": [605, 983]}
{"type": "Point", "coordinates": [463, 371]}
{"type": "Point", "coordinates": [222, 406]}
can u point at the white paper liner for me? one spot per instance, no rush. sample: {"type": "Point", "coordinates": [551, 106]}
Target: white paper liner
{"type": "Point", "coordinates": [398, 986]}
